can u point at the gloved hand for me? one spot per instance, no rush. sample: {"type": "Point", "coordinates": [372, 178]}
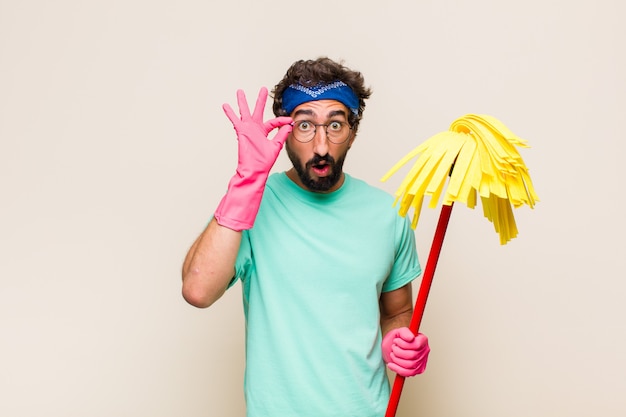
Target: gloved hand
{"type": "Point", "coordinates": [404, 353]}
{"type": "Point", "coordinates": [257, 155]}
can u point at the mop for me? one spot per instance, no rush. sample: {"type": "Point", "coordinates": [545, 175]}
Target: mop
{"type": "Point", "coordinates": [477, 158]}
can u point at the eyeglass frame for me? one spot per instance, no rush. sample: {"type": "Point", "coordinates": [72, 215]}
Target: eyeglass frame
{"type": "Point", "coordinates": [315, 126]}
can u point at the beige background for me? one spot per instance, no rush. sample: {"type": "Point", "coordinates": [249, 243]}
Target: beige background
{"type": "Point", "coordinates": [114, 152]}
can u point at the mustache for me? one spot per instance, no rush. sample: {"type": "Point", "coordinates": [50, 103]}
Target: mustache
{"type": "Point", "coordinates": [318, 159]}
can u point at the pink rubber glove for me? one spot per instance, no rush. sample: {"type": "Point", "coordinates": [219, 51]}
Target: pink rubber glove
{"type": "Point", "coordinates": [257, 155]}
{"type": "Point", "coordinates": [404, 353]}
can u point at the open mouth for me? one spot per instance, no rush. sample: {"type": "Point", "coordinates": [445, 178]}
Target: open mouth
{"type": "Point", "coordinates": [321, 170]}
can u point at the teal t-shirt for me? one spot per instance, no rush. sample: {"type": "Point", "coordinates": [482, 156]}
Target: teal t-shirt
{"type": "Point", "coordinates": [312, 270]}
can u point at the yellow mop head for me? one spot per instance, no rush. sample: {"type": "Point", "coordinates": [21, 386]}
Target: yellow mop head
{"type": "Point", "coordinates": [479, 155]}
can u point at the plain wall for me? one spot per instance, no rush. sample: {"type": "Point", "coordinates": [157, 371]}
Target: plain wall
{"type": "Point", "coordinates": [114, 152]}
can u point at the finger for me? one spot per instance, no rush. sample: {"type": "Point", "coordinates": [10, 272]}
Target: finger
{"type": "Point", "coordinates": [406, 334]}
{"type": "Point", "coordinates": [282, 134]}
{"type": "Point", "coordinates": [404, 353]}
{"type": "Point", "coordinates": [419, 343]}
{"type": "Point", "coordinates": [242, 102]}
{"type": "Point", "coordinates": [230, 113]}
{"type": "Point", "coordinates": [259, 107]}
{"type": "Point", "coordinates": [277, 122]}
{"type": "Point", "coordinates": [415, 344]}
{"type": "Point", "coordinates": [402, 371]}
{"type": "Point", "coordinates": [404, 363]}
{"type": "Point", "coordinates": [413, 367]}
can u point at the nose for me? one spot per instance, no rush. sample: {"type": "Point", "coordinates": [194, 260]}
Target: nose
{"type": "Point", "coordinates": [320, 141]}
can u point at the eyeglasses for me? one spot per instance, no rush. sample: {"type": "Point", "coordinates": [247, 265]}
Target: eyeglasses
{"type": "Point", "coordinates": [336, 132]}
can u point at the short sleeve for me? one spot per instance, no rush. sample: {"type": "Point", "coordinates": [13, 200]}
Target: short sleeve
{"type": "Point", "coordinates": [243, 261]}
{"type": "Point", "coordinates": [406, 265]}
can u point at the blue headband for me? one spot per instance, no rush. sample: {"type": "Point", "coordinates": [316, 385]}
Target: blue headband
{"type": "Point", "coordinates": [296, 94]}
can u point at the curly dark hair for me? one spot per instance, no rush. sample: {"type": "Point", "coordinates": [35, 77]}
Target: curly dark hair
{"type": "Point", "coordinates": [322, 70]}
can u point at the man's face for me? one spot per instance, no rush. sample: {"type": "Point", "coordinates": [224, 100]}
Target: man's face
{"type": "Point", "coordinates": [318, 164]}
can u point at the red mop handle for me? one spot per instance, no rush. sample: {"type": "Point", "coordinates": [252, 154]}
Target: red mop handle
{"type": "Point", "coordinates": [422, 296]}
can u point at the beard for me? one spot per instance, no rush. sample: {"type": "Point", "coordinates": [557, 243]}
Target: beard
{"type": "Point", "coordinates": [321, 184]}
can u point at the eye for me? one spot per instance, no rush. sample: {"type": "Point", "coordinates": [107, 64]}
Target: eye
{"type": "Point", "coordinates": [335, 126]}
{"type": "Point", "coordinates": [305, 126]}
